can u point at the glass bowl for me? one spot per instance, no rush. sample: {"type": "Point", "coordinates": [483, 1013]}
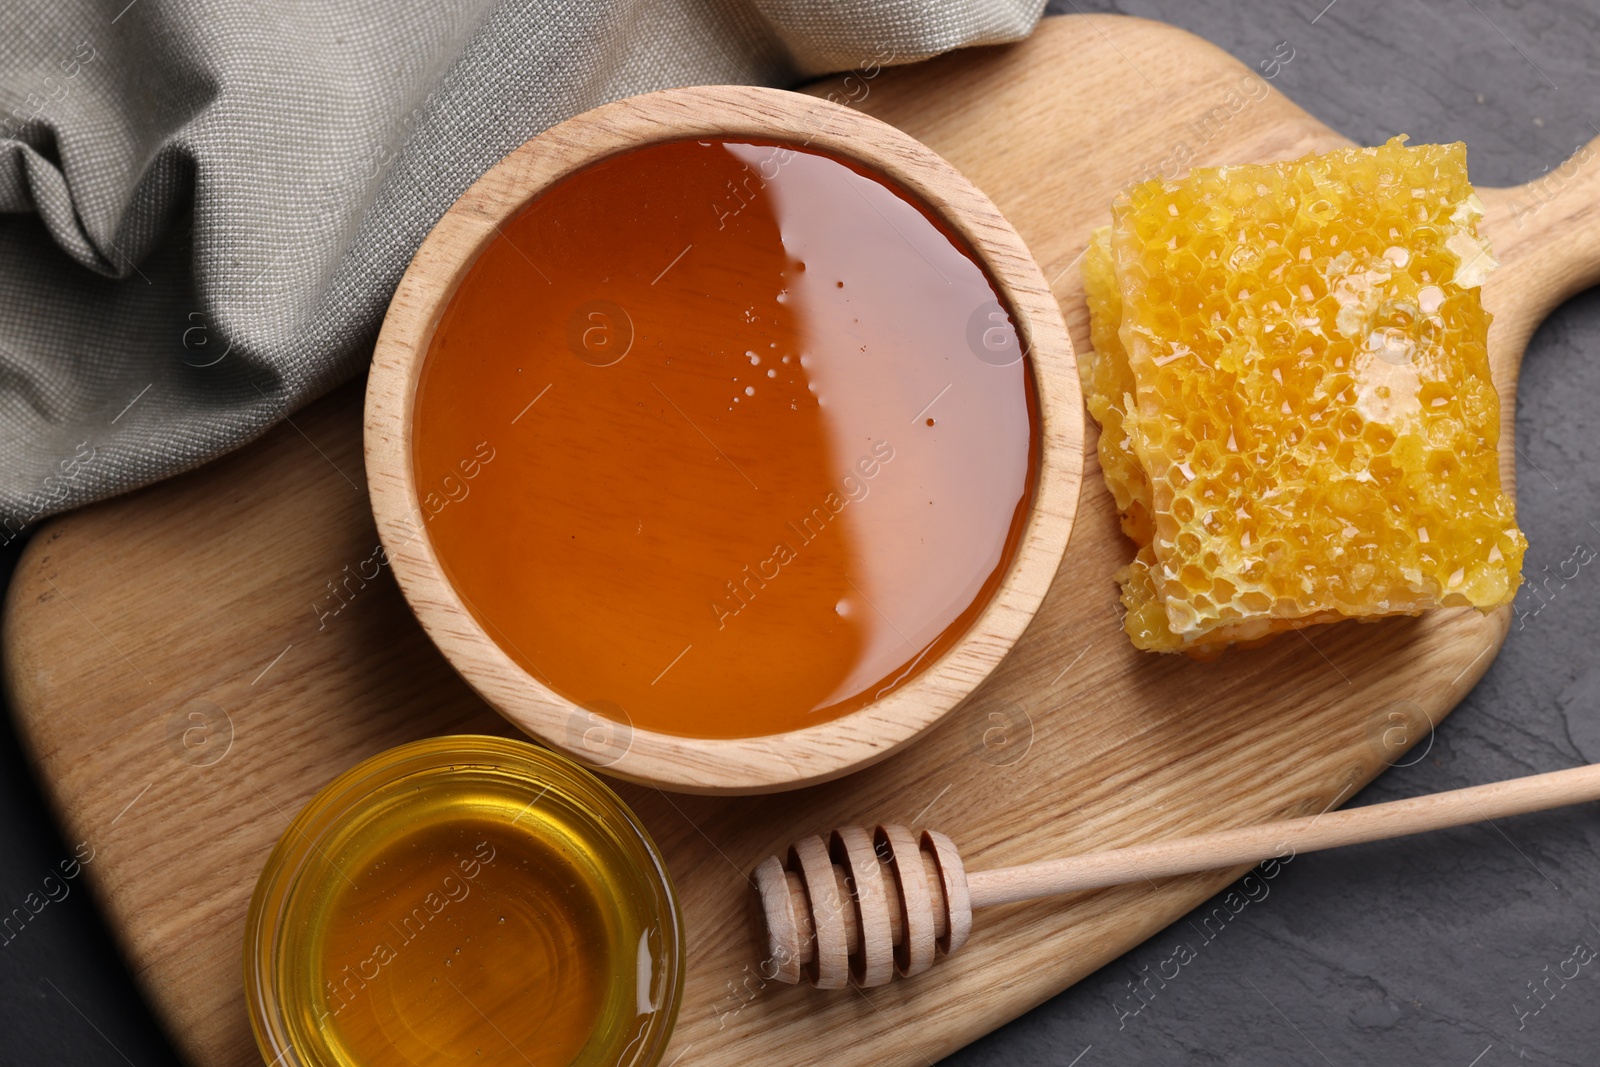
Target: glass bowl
{"type": "Point", "coordinates": [464, 898]}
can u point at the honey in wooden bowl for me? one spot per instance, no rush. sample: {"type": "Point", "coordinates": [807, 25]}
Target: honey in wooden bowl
{"type": "Point", "coordinates": [464, 899]}
{"type": "Point", "coordinates": [724, 438]}
{"type": "Point", "coordinates": [730, 436]}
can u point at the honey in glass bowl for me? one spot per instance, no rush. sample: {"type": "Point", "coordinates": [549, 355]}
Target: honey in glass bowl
{"type": "Point", "coordinates": [464, 899]}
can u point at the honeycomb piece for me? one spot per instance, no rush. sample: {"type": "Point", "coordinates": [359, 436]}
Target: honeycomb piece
{"type": "Point", "coordinates": [1292, 383]}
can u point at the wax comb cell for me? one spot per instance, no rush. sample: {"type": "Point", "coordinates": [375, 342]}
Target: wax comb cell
{"type": "Point", "coordinates": [1292, 383]}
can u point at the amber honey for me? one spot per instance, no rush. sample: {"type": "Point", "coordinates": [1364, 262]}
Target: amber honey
{"type": "Point", "coordinates": [465, 900]}
{"type": "Point", "coordinates": [725, 438]}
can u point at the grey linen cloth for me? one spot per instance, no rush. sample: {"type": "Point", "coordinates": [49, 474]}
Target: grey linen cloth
{"type": "Point", "coordinates": [206, 204]}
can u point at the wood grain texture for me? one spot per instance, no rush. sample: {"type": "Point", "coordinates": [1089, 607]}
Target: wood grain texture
{"type": "Point", "coordinates": [125, 617]}
{"type": "Point", "coordinates": [718, 765]}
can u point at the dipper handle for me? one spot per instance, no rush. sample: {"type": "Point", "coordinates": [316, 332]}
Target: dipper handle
{"type": "Point", "coordinates": [864, 906]}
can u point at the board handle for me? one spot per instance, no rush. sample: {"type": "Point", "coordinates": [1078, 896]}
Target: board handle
{"type": "Point", "coordinates": [1553, 222]}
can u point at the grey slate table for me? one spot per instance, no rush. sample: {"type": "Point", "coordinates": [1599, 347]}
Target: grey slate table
{"type": "Point", "coordinates": [1447, 949]}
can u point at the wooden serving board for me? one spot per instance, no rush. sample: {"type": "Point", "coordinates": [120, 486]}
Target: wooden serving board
{"type": "Point", "coordinates": [183, 692]}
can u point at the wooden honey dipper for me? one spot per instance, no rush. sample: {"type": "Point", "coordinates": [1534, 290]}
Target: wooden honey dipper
{"type": "Point", "coordinates": [862, 906]}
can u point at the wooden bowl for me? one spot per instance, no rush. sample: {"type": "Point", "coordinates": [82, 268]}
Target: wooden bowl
{"type": "Point", "coordinates": [753, 764]}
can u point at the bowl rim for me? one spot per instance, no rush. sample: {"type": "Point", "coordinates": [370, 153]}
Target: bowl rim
{"type": "Point", "coordinates": [771, 762]}
{"type": "Point", "coordinates": [346, 795]}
